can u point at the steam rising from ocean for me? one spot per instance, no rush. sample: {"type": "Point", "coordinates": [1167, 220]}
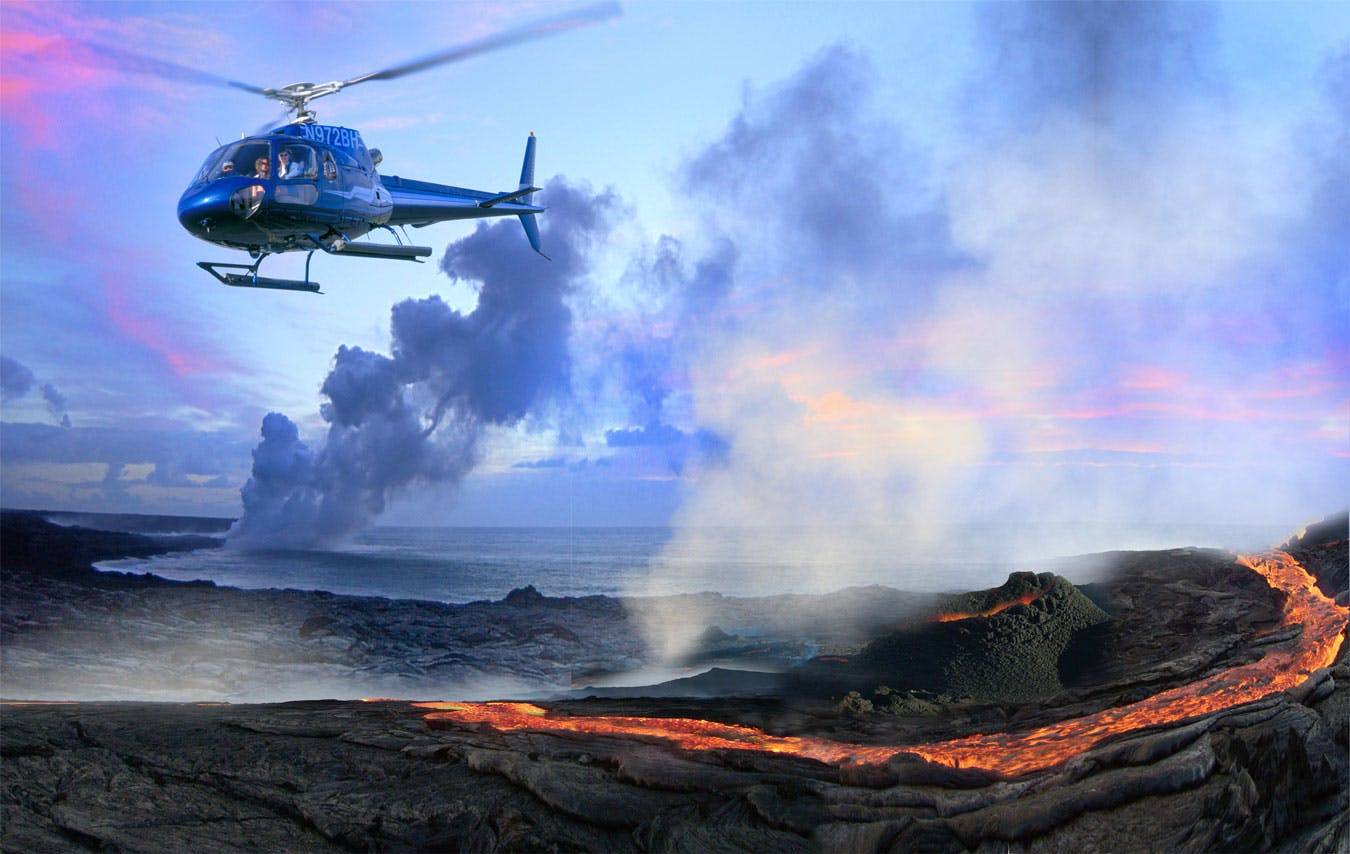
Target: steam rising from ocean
{"type": "Point", "coordinates": [17, 379]}
{"type": "Point", "coordinates": [418, 414]}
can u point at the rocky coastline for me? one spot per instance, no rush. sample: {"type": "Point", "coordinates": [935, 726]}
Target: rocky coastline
{"type": "Point", "coordinates": [70, 632]}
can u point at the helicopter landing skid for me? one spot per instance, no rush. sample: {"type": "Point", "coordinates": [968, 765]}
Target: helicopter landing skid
{"type": "Point", "coordinates": [251, 279]}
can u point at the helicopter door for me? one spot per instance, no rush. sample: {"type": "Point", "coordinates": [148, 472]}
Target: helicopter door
{"type": "Point", "coordinates": [297, 173]}
{"type": "Point", "coordinates": [359, 184]}
{"type": "Point", "coordinates": [331, 185]}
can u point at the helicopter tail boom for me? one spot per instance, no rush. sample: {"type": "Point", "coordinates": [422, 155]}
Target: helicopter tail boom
{"type": "Point", "coordinates": [424, 203]}
{"type": "Point", "coordinates": [421, 203]}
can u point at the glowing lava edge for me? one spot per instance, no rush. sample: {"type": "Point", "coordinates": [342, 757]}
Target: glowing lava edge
{"type": "Point", "coordinates": [1006, 754]}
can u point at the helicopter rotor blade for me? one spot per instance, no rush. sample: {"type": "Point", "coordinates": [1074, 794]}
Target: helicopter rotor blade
{"type": "Point", "coordinates": [515, 35]}
{"type": "Point", "coordinates": [297, 96]}
{"type": "Point", "coordinates": [103, 56]}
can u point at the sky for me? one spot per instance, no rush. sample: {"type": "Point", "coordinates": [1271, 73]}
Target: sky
{"type": "Point", "coordinates": [898, 266]}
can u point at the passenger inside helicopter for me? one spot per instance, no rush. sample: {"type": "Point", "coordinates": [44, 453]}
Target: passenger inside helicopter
{"type": "Point", "coordinates": [243, 158]}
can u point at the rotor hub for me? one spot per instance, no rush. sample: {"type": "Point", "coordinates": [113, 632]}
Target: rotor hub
{"type": "Point", "coordinates": [297, 96]}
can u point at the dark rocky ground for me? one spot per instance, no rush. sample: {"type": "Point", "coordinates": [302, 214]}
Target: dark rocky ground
{"type": "Point", "coordinates": [69, 632]}
{"type": "Point", "coordinates": [73, 633]}
{"type": "Point", "coordinates": [321, 775]}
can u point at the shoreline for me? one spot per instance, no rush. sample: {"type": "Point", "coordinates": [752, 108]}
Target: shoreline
{"type": "Point", "coordinates": [102, 634]}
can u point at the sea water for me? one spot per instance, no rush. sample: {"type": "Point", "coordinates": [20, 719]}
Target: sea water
{"type": "Point", "coordinates": [470, 564]}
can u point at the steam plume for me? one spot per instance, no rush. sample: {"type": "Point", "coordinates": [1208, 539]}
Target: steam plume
{"type": "Point", "coordinates": [16, 380]}
{"type": "Point", "coordinates": [935, 343]}
{"type": "Point", "coordinates": [419, 413]}
{"type": "Point", "coordinates": [56, 403]}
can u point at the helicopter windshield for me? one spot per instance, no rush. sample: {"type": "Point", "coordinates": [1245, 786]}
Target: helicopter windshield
{"type": "Point", "coordinates": [205, 172]}
{"type": "Point", "coordinates": [250, 158]}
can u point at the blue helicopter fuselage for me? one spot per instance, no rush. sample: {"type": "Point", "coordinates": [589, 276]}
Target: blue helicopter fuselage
{"type": "Point", "coordinates": [306, 186]}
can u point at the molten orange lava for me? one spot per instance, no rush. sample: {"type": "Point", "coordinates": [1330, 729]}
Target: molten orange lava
{"type": "Point", "coordinates": [952, 616]}
{"type": "Point", "coordinates": [1007, 754]}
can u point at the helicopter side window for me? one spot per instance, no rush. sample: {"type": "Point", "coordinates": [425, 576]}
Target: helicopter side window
{"type": "Point", "coordinates": [354, 173]}
{"type": "Point", "coordinates": [297, 162]}
{"type": "Point", "coordinates": [247, 159]}
{"type": "Point", "coordinates": [330, 172]}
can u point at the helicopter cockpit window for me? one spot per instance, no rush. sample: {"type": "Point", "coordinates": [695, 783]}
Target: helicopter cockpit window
{"type": "Point", "coordinates": [248, 159]}
{"type": "Point", "coordinates": [297, 162]}
{"type": "Point", "coordinates": [205, 172]}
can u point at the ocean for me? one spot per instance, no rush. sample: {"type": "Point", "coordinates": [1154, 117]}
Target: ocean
{"type": "Point", "coordinates": [470, 564]}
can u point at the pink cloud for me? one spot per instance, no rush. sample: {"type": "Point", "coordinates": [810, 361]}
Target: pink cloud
{"type": "Point", "coordinates": [1125, 447]}
{"type": "Point", "coordinates": [1152, 378]}
{"type": "Point", "coordinates": [50, 72]}
{"type": "Point", "coordinates": [1302, 380]}
{"type": "Point", "coordinates": [1236, 411]}
{"type": "Point", "coordinates": [155, 331]}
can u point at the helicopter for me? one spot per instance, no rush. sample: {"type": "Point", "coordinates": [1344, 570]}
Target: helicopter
{"type": "Point", "coordinates": [310, 187]}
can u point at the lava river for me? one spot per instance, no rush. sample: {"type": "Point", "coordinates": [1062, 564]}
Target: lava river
{"type": "Point", "coordinates": [952, 616]}
{"type": "Point", "coordinates": [1010, 753]}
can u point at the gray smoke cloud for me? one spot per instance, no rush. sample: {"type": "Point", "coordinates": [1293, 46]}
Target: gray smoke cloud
{"type": "Point", "coordinates": [56, 403]}
{"type": "Point", "coordinates": [17, 379]}
{"type": "Point", "coordinates": [642, 350]}
{"type": "Point", "coordinates": [845, 197]}
{"type": "Point", "coordinates": [1118, 64]}
{"type": "Point", "coordinates": [419, 414]}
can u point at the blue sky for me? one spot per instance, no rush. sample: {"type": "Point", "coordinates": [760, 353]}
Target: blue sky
{"type": "Point", "coordinates": [977, 262]}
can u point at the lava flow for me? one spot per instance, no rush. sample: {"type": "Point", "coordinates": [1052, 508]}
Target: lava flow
{"type": "Point", "coordinates": [1007, 754]}
{"type": "Point", "coordinates": [952, 616]}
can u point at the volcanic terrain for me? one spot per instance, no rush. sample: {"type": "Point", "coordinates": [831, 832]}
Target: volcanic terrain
{"type": "Point", "coordinates": [1192, 700]}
